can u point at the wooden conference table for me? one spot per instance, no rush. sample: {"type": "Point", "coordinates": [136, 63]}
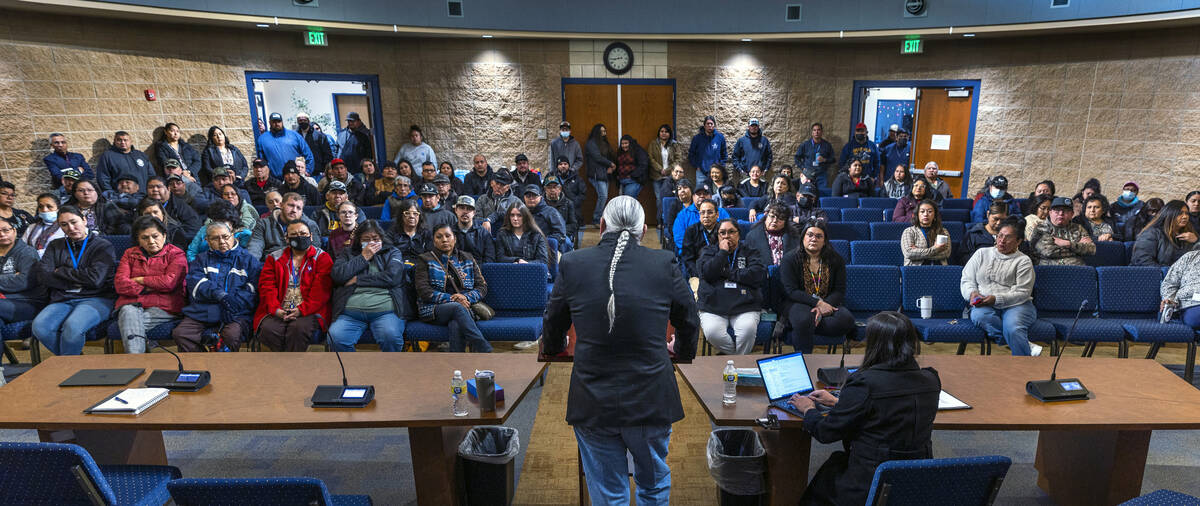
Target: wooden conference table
{"type": "Point", "coordinates": [1089, 452]}
{"type": "Point", "coordinates": [270, 391]}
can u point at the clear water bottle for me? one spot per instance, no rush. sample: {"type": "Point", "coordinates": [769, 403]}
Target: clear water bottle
{"type": "Point", "coordinates": [2, 381]}
{"type": "Point", "coordinates": [458, 394]}
{"type": "Point", "coordinates": [730, 377]}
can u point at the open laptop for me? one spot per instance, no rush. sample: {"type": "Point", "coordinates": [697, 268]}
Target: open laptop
{"type": "Point", "coordinates": [784, 376]}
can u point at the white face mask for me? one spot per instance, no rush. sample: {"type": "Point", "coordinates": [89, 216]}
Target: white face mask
{"type": "Point", "coordinates": [564, 133]}
{"type": "Point", "coordinates": [48, 217]}
{"type": "Point", "coordinates": [996, 193]}
{"type": "Point", "coordinates": [375, 243]}
{"type": "Point", "coordinates": [1128, 195]}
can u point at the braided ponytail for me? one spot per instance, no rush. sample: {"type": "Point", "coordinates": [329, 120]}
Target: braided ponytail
{"type": "Point", "coordinates": [622, 241]}
{"type": "Point", "coordinates": [623, 215]}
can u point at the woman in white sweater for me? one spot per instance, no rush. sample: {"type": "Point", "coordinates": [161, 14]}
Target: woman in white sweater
{"type": "Point", "coordinates": [998, 284]}
{"type": "Point", "coordinates": [1181, 288]}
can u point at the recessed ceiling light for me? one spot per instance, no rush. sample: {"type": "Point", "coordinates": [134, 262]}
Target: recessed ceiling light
{"type": "Point", "coordinates": [487, 36]}
{"type": "Point", "coordinates": [747, 40]}
{"type": "Point", "coordinates": [263, 25]}
{"type": "Point", "coordinates": [968, 35]}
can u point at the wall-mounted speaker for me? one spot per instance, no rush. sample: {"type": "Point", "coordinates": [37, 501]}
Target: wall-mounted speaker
{"type": "Point", "coordinates": [793, 12]}
{"type": "Point", "coordinates": [454, 8]}
{"type": "Point", "coordinates": [915, 9]}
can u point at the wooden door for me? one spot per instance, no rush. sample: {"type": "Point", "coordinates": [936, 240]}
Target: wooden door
{"type": "Point", "coordinates": [644, 108]}
{"type": "Point", "coordinates": [357, 103]}
{"type": "Point", "coordinates": [948, 118]}
{"type": "Point", "coordinates": [585, 105]}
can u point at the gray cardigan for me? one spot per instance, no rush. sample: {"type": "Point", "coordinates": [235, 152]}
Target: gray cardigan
{"type": "Point", "coordinates": [1182, 282]}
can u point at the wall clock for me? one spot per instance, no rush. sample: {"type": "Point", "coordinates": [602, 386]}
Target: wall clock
{"type": "Point", "coordinates": [618, 58]}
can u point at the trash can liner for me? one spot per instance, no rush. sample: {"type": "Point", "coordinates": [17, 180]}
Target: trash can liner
{"type": "Point", "coordinates": [737, 461]}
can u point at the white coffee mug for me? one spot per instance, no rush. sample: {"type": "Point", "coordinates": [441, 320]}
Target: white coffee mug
{"type": "Point", "coordinates": [925, 304]}
{"type": "Point", "coordinates": [942, 239]}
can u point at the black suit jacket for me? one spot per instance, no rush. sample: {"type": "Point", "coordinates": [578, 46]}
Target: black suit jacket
{"type": "Point", "coordinates": [623, 377]}
{"type": "Point", "coordinates": [757, 239]}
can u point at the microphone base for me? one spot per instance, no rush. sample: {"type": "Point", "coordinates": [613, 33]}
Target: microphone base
{"type": "Point", "coordinates": [178, 381]}
{"type": "Point", "coordinates": [339, 396]}
{"type": "Point", "coordinates": [832, 376]}
{"type": "Point", "coordinates": [1069, 389]}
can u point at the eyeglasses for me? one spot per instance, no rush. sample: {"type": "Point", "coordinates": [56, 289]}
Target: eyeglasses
{"type": "Point", "coordinates": [222, 237]}
{"type": "Point", "coordinates": [727, 232]}
{"type": "Point", "coordinates": [348, 213]}
{"type": "Point", "coordinates": [412, 213]}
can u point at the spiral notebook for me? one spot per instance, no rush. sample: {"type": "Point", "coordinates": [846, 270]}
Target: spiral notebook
{"type": "Point", "coordinates": [130, 401]}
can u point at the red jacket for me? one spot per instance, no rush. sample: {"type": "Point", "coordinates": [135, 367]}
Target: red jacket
{"type": "Point", "coordinates": [165, 273]}
{"type": "Point", "coordinates": [315, 283]}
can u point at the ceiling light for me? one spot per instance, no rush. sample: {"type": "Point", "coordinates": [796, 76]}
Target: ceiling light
{"type": "Point", "coordinates": [263, 25]}
{"type": "Point", "coordinates": [747, 40]}
{"type": "Point", "coordinates": [968, 35]}
{"type": "Point", "coordinates": [487, 36]}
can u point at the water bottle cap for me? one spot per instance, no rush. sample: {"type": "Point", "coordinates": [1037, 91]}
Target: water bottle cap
{"type": "Point", "coordinates": [457, 373]}
{"type": "Point", "coordinates": [729, 362]}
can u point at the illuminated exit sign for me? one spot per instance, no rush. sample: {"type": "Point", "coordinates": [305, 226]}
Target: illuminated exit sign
{"type": "Point", "coordinates": [312, 38]}
{"type": "Point", "coordinates": [912, 46]}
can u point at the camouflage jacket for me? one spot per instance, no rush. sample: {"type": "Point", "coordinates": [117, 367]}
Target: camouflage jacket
{"type": "Point", "coordinates": [1048, 253]}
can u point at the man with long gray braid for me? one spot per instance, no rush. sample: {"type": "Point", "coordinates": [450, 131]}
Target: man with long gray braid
{"type": "Point", "coordinates": [623, 396]}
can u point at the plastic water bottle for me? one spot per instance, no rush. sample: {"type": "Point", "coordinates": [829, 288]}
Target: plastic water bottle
{"type": "Point", "coordinates": [2, 381]}
{"type": "Point", "coordinates": [730, 377]}
{"type": "Point", "coordinates": [458, 394]}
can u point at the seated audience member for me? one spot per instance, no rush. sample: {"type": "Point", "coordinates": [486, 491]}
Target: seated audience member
{"type": "Point", "coordinates": [1193, 208]}
{"type": "Point", "coordinates": [697, 236]}
{"type": "Point", "coordinates": [338, 172]}
{"type": "Point", "coordinates": [19, 219]}
{"type": "Point", "coordinates": [522, 176]}
{"type": "Point", "coordinates": [1166, 238]}
{"type": "Point", "coordinates": [997, 191]}
{"type": "Point", "coordinates": [753, 186]}
{"type": "Point", "coordinates": [367, 172]}
{"type": "Point", "coordinates": [446, 193]}
{"type": "Point", "coordinates": [45, 228]}
{"type": "Point", "coordinates": [814, 283]}
{"type": "Point", "coordinates": [690, 215]}
{"type": "Point", "coordinates": [1096, 221]}
{"type": "Point", "coordinates": [683, 198]}
{"type": "Point", "coordinates": [220, 153]}
{"type": "Point", "coordinates": [77, 272]}
{"type": "Point", "coordinates": [716, 176]}
{"type": "Point", "coordinates": [180, 213]}
{"type": "Point", "coordinates": [149, 282]}
{"type": "Point", "coordinates": [99, 214]}
{"type": "Point", "coordinates": [906, 207]}
{"type": "Point", "coordinates": [997, 283]}
{"type": "Point", "coordinates": [731, 279]}
{"type": "Point", "coordinates": [172, 146]}
{"type": "Point", "coordinates": [668, 186]}
{"type": "Point", "coordinates": [899, 185]}
{"type": "Point", "coordinates": [918, 243]}
{"type": "Point", "coordinates": [269, 233]}
{"type": "Point", "coordinates": [327, 218]}
{"type": "Point", "coordinates": [774, 236]}
{"type": "Point", "coordinates": [939, 189]}
{"type": "Point", "coordinates": [370, 292]}
{"type": "Point", "coordinates": [547, 218]}
{"type": "Point", "coordinates": [294, 289]}
{"type": "Point", "coordinates": [1090, 187]}
{"type": "Point", "coordinates": [401, 192]}
{"type": "Point", "coordinates": [221, 284]}
{"type": "Point", "coordinates": [498, 200]}
{"type": "Point", "coordinates": [983, 235]}
{"type": "Point", "coordinates": [780, 191]}
{"type": "Point", "coordinates": [884, 412]}
{"type": "Point", "coordinates": [469, 235]}
{"type": "Point", "coordinates": [447, 169]}
{"type": "Point", "coordinates": [403, 168]}
{"type": "Point", "coordinates": [574, 188]}
{"type": "Point", "coordinates": [1045, 188]}
{"type": "Point", "coordinates": [127, 194]}
{"type": "Point", "coordinates": [1180, 289]}
{"type": "Point", "coordinates": [190, 187]}
{"type": "Point", "coordinates": [21, 295]}
{"type": "Point", "coordinates": [1060, 241]}
{"type": "Point", "coordinates": [221, 177]}
{"type": "Point", "coordinates": [448, 282]}
{"type": "Point", "coordinates": [305, 173]}
{"type": "Point", "coordinates": [67, 191]}
{"type": "Point", "coordinates": [274, 200]}
{"type": "Point", "coordinates": [294, 182]}
{"type": "Point", "coordinates": [729, 197]}
{"type": "Point", "coordinates": [247, 214]}
{"type": "Point", "coordinates": [432, 211]}
{"type": "Point", "coordinates": [519, 239]}
{"type": "Point", "coordinates": [555, 199]}
{"type": "Point", "coordinates": [804, 207]}
{"type": "Point", "coordinates": [1125, 207]}
{"type": "Point", "coordinates": [853, 183]}
{"type": "Point", "coordinates": [343, 235]}
{"type": "Point", "coordinates": [221, 211]}
{"type": "Point", "coordinates": [1038, 213]}
{"type": "Point", "coordinates": [261, 182]}
{"type": "Point", "coordinates": [61, 159]}
{"type": "Point", "coordinates": [174, 233]}
{"type": "Point", "coordinates": [1149, 211]}
{"type": "Point", "coordinates": [407, 232]}
{"type": "Point", "coordinates": [120, 159]}
{"type": "Point", "coordinates": [479, 179]}
{"type": "Point", "coordinates": [377, 188]}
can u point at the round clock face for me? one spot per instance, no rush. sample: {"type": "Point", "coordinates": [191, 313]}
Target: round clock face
{"type": "Point", "coordinates": [618, 58]}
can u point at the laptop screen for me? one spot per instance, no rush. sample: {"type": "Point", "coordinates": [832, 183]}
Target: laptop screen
{"type": "Point", "coordinates": [785, 375]}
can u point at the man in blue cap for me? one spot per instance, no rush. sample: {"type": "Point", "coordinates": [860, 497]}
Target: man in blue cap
{"type": "Point", "coordinates": [279, 145]}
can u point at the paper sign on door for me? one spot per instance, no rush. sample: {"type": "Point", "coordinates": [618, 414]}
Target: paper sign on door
{"type": "Point", "coordinates": [940, 142]}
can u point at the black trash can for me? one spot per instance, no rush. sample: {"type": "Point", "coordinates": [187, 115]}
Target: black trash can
{"type": "Point", "coordinates": [487, 455]}
{"type": "Point", "coordinates": [738, 463]}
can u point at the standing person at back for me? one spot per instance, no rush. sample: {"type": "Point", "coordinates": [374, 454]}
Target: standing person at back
{"type": "Point", "coordinates": [600, 165]}
{"type": "Point", "coordinates": [565, 146]}
{"type": "Point", "coordinates": [278, 146]}
{"type": "Point", "coordinates": [623, 395]}
{"type": "Point", "coordinates": [814, 158]}
{"type": "Point", "coordinates": [707, 148]}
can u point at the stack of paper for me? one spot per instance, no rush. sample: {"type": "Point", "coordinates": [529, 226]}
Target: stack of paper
{"type": "Point", "coordinates": [130, 401]}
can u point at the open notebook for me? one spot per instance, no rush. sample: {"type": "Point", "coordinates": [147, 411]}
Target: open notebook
{"type": "Point", "coordinates": [130, 401]}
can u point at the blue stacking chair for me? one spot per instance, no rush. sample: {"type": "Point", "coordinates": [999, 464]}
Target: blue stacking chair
{"type": "Point", "coordinates": [374, 212]}
{"type": "Point", "coordinates": [842, 247]}
{"type": "Point", "coordinates": [849, 230]}
{"type": "Point", "coordinates": [1130, 296]}
{"type": "Point", "coordinates": [663, 207]}
{"type": "Point", "coordinates": [1108, 254]}
{"type": "Point", "coordinates": [939, 482]}
{"type": "Point", "coordinates": [839, 202]}
{"type": "Point", "coordinates": [750, 201]}
{"type": "Point", "coordinates": [877, 202]}
{"type": "Point", "coordinates": [552, 266]}
{"type": "Point", "coordinates": [120, 243]}
{"type": "Point", "coordinates": [1057, 294]}
{"type": "Point", "coordinates": [963, 215]}
{"type": "Point", "coordinates": [386, 225]}
{"type": "Point", "coordinates": [1163, 498]}
{"type": "Point", "coordinates": [1129, 250]}
{"type": "Point", "coordinates": [887, 231]}
{"type": "Point", "coordinates": [876, 253]}
{"type": "Point", "coordinates": [739, 213]}
{"type": "Point", "coordinates": [967, 204]}
{"type": "Point", "coordinates": [888, 213]}
{"type": "Point", "coordinates": [862, 214]}
{"type": "Point", "coordinates": [55, 473]}
{"type": "Point", "coordinates": [258, 491]}
{"type": "Point", "coordinates": [160, 332]}
{"type": "Point", "coordinates": [956, 229]}
{"type": "Point", "coordinates": [871, 289]}
{"type": "Point", "coordinates": [832, 213]}
{"type": "Point", "coordinates": [518, 294]}
{"type": "Point", "coordinates": [947, 324]}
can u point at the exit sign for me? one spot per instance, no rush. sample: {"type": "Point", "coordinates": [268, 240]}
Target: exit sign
{"type": "Point", "coordinates": [312, 38]}
{"type": "Point", "coordinates": [912, 46]}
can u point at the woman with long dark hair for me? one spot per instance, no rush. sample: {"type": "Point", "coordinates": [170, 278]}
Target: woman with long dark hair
{"type": "Point", "coordinates": [370, 293]}
{"type": "Point", "coordinates": [99, 214]}
{"type": "Point", "coordinates": [520, 240]}
{"type": "Point", "coordinates": [814, 282]}
{"type": "Point", "coordinates": [448, 282]}
{"type": "Point", "coordinates": [664, 154]}
{"type": "Point", "coordinates": [1193, 207]}
{"type": "Point", "coordinates": [173, 231]}
{"type": "Point", "coordinates": [900, 184]}
{"type": "Point", "coordinates": [599, 164]}
{"type": "Point", "coordinates": [906, 207]}
{"type": "Point", "coordinates": [172, 147]}
{"type": "Point", "coordinates": [853, 183]}
{"type": "Point", "coordinates": [1166, 238]}
{"type": "Point", "coordinates": [884, 412]}
{"type": "Point", "coordinates": [220, 152]}
{"type": "Point", "coordinates": [1096, 220]}
{"type": "Point", "coordinates": [408, 231]}
{"type": "Point", "coordinates": [780, 192]}
{"type": "Point", "coordinates": [631, 166]}
{"type": "Point", "coordinates": [919, 243]}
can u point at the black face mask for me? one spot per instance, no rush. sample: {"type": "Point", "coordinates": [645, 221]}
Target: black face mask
{"type": "Point", "coordinates": [303, 125]}
{"type": "Point", "coordinates": [860, 137]}
{"type": "Point", "coordinates": [804, 202]}
{"type": "Point", "coordinates": [299, 243]}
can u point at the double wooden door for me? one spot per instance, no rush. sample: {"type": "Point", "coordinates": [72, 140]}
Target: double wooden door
{"type": "Point", "coordinates": [637, 110]}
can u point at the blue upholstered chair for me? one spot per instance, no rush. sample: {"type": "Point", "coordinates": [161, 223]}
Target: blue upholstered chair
{"type": "Point", "coordinates": [738, 213]}
{"type": "Point", "coordinates": [956, 215]}
{"type": "Point", "coordinates": [849, 230]}
{"type": "Point", "coordinates": [1057, 294]}
{"type": "Point", "coordinates": [958, 204]}
{"type": "Point", "coordinates": [372, 212]}
{"type": "Point", "coordinates": [887, 231]}
{"type": "Point", "coordinates": [877, 202]}
{"type": "Point", "coordinates": [964, 481]}
{"type": "Point", "coordinates": [518, 294]}
{"type": "Point", "coordinates": [160, 332]}
{"type": "Point", "coordinates": [1163, 498]}
{"type": "Point", "coordinates": [871, 289]}
{"type": "Point", "coordinates": [832, 213]}
{"type": "Point", "coordinates": [120, 243]}
{"type": "Point", "coordinates": [956, 229]}
{"type": "Point", "coordinates": [867, 214]}
{"type": "Point", "coordinates": [839, 202]}
{"type": "Point", "coordinates": [258, 491]}
{"type": "Point", "coordinates": [887, 214]}
{"type": "Point", "coordinates": [1130, 297]}
{"type": "Point", "coordinates": [876, 253]}
{"type": "Point", "coordinates": [750, 201]}
{"type": "Point", "coordinates": [841, 246]}
{"type": "Point", "coordinates": [65, 474]}
{"type": "Point", "coordinates": [1108, 254]}
{"type": "Point", "coordinates": [947, 324]}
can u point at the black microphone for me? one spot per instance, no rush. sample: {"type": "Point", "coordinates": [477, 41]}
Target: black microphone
{"type": "Point", "coordinates": [179, 380]}
{"type": "Point", "coordinates": [836, 376]}
{"type": "Point", "coordinates": [1053, 390]}
{"type": "Point", "coordinates": [345, 395]}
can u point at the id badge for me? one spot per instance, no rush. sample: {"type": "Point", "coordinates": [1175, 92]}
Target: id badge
{"type": "Point", "coordinates": [1196, 296]}
{"type": "Point", "coordinates": [74, 290]}
{"type": "Point", "coordinates": [730, 284]}
{"type": "Point", "coordinates": [816, 163]}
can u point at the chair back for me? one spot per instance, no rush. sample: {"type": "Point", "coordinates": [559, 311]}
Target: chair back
{"type": "Point", "coordinates": [956, 215]}
{"type": "Point", "coordinates": [120, 243]}
{"type": "Point", "coordinates": [849, 230]}
{"type": "Point", "coordinates": [868, 214]}
{"type": "Point", "coordinates": [958, 204]}
{"type": "Point", "coordinates": [968, 481]}
{"type": "Point", "coordinates": [832, 213]}
{"type": "Point", "coordinates": [876, 253]}
{"type": "Point", "coordinates": [940, 282]}
{"type": "Point", "coordinates": [1108, 253]}
{"type": "Point", "coordinates": [839, 202]}
{"type": "Point", "coordinates": [516, 289]}
{"type": "Point", "coordinates": [258, 491]}
{"type": "Point", "coordinates": [888, 231]}
{"type": "Point", "coordinates": [1129, 291]}
{"type": "Point", "coordinates": [1059, 290]}
{"type": "Point", "coordinates": [738, 213]}
{"type": "Point", "coordinates": [842, 247]}
{"type": "Point", "coordinates": [51, 473]}
{"type": "Point", "coordinates": [877, 202]}
{"type": "Point", "coordinates": [872, 288]}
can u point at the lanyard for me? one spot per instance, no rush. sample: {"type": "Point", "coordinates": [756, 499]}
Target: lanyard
{"type": "Point", "coordinates": [733, 258]}
{"type": "Point", "coordinates": [76, 258]}
{"type": "Point", "coordinates": [296, 272]}
{"type": "Point", "coordinates": [704, 233]}
{"type": "Point", "coordinates": [816, 277]}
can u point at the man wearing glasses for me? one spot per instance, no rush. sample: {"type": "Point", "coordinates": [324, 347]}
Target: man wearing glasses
{"type": "Point", "coordinates": [327, 216]}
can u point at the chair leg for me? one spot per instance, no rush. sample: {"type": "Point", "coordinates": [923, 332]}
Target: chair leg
{"type": "Point", "coordinates": [1190, 363]}
{"type": "Point", "coordinates": [8, 353]}
{"type": "Point", "coordinates": [1123, 349]}
{"type": "Point", "coordinates": [35, 351]}
{"type": "Point", "coordinates": [1153, 351]}
{"type": "Point", "coordinates": [962, 349]}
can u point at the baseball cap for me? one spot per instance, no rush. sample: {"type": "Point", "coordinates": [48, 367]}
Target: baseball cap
{"type": "Point", "coordinates": [1000, 182]}
{"type": "Point", "coordinates": [564, 124]}
{"type": "Point", "coordinates": [551, 179]}
{"type": "Point", "coordinates": [171, 163]}
{"type": "Point", "coordinates": [860, 126]}
{"type": "Point", "coordinates": [503, 177]}
{"type": "Point", "coordinates": [223, 170]}
{"type": "Point", "coordinates": [71, 173]}
{"type": "Point", "coordinates": [337, 186]}
{"type": "Point", "coordinates": [276, 117]}
{"type": "Point", "coordinates": [126, 177]}
{"type": "Point", "coordinates": [427, 189]}
{"type": "Point", "coordinates": [336, 161]}
{"type": "Point", "coordinates": [441, 179]}
{"type": "Point", "coordinates": [1133, 184]}
{"type": "Point", "coordinates": [704, 187]}
{"type": "Point", "coordinates": [534, 189]}
{"type": "Point", "coordinates": [807, 189]}
{"type": "Point", "coordinates": [174, 177]}
{"type": "Point", "coordinates": [753, 121]}
{"type": "Point", "coordinates": [259, 162]}
{"type": "Point", "coordinates": [352, 115]}
{"type": "Point", "coordinates": [522, 158]}
{"type": "Point", "coordinates": [894, 127]}
{"type": "Point", "coordinates": [466, 200]}
{"type": "Point", "coordinates": [1061, 202]}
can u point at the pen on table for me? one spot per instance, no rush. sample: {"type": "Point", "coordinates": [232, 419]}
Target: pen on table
{"type": "Point", "coordinates": [120, 400]}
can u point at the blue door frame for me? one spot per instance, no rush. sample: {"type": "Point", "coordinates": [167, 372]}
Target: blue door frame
{"type": "Point", "coordinates": [372, 93]}
{"type": "Point", "coordinates": [971, 84]}
{"type": "Point", "coordinates": [562, 93]}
